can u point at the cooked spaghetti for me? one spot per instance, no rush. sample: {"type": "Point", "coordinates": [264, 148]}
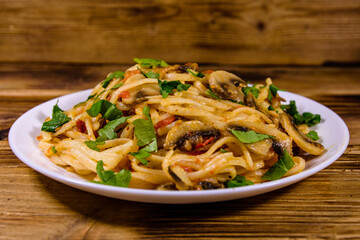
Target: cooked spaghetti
{"type": "Point", "coordinates": [172, 127]}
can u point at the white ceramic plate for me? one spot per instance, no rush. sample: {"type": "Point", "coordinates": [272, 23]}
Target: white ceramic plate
{"type": "Point", "coordinates": [22, 138]}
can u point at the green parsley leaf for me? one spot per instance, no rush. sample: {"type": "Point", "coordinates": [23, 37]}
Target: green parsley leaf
{"type": "Point", "coordinates": [58, 119]}
{"type": "Point", "coordinates": [272, 91]}
{"type": "Point", "coordinates": [146, 112]}
{"type": "Point", "coordinates": [223, 150]}
{"type": "Point", "coordinates": [167, 87]}
{"type": "Point", "coordinates": [196, 74]}
{"type": "Point", "coordinates": [210, 93]}
{"type": "Point", "coordinates": [107, 109]}
{"type": "Point", "coordinates": [253, 90]}
{"type": "Point", "coordinates": [144, 131]}
{"type": "Point", "coordinates": [117, 74]}
{"type": "Point", "coordinates": [141, 155]}
{"type": "Point", "coordinates": [145, 135]}
{"type": "Point", "coordinates": [150, 74]}
{"type": "Point", "coordinates": [53, 149]}
{"type": "Point", "coordinates": [108, 131]}
{"type": "Point", "coordinates": [313, 135]}
{"type": "Point", "coordinates": [234, 101]}
{"type": "Point", "coordinates": [145, 152]}
{"type": "Point", "coordinates": [249, 136]}
{"type": "Point", "coordinates": [121, 179]}
{"type": "Point", "coordinates": [282, 166]}
{"type": "Point", "coordinates": [93, 144]}
{"type": "Point", "coordinates": [270, 108]}
{"type": "Point", "coordinates": [151, 63]}
{"type": "Point", "coordinates": [238, 181]}
{"type": "Point", "coordinates": [306, 118]}
{"type": "Point", "coordinates": [117, 86]}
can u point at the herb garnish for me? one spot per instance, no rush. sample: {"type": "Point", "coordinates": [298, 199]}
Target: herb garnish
{"type": "Point", "coordinates": [223, 150]}
{"type": "Point", "coordinates": [249, 136]}
{"type": "Point", "coordinates": [53, 149]}
{"type": "Point", "coordinates": [238, 181]}
{"type": "Point", "coordinates": [121, 179]}
{"type": "Point", "coordinates": [306, 118]}
{"type": "Point", "coordinates": [108, 131]}
{"type": "Point", "coordinates": [93, 144]}
{"type": "Point", "coordinates": [117, 86]}
{"type": "Point", "coordinates": [273, 91]}
{"type": "Point", "coordinates": [167, 87]}
{"type": "Point", "coordinates": [107, 109]}
{"type": "Point", "coordinates": [151, 63]}
{"type": "Point", "coordinates": [196, 74]}
{"type": "Point", "coordinates": [282, 166]}
{"type": "Point", "coordinates": [313, 135]}
{"type": "Point", "coordinates": [145, 135]}
{"type": "Point", "coordinates": [210, 93]}
{"type": "Point", "coordinates": [253, 90]}
{"type": "Point", "coordinates": [58, 119]}
{"type": "Point", "coordinates": [117, 74]}
{"type": "Point", "coordinates": [234, 101]}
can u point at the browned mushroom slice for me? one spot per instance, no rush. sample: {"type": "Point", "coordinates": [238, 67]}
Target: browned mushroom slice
{"type": "Point", "coordinates": [187, 134]}
{"type": "Point", "coordinates": [139, 93]}
{"type": "Point", "coordinates": [300, 139]}
{"type": "Point", "coordinates": [227, 85]}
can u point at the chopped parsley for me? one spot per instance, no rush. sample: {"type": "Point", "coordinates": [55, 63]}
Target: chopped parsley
{"type": "Point", "coordinates": [305, 118]}
{"type": "Point", "coordinates": [210, 93]}
{"type": "Point", "coordinates": [313, 135]}
{"type": "Point", "coordinates": [249, 136]}
{"type": "Point", "coordinates": [117, 74]}
{"type": "Point", "coordinates": [270, 108]}
{"type": "Point", "coordinates": [282, 166]}
{"type": "Point", "coordinates": [117, 86]}
{"type": "Point", "coordinates": [121, 179]}
{"type": "Point", "coordinates": [145, 135]}
{"type": "Point", "coordinates": [272, 91]}
{"type": "Point", "coordinates": [234, 101]}
{"type": "Point", "coordinates": [58, 119]}
{"type": "Point", "coordinates": [223, 150]}
{"type": "Point", "coordinates": [93, 144]}
{"type": "Point", "coordinates": [150, 63]}
{"type": "Point", "coordinates": [167, 87]}
{"type": "Point", "coordinates": [196, 74]}
{"type": "Point", "coordinates": [253, 90]}
{"type": "Point", "coordinates": [238, 181]}
{"type": "Point", "coordinates": [53, 149]}
{"type": "Point", "coordinates": [107, 109]}
{"type": "Point", "coordinates": [108, 131]}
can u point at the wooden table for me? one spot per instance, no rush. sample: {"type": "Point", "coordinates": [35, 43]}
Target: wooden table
{"type": "Point", "coordinates": [324, 206]}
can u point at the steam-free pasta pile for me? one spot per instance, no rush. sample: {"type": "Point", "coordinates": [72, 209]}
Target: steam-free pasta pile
{"type": "Point", "coordinates": [172, 127]}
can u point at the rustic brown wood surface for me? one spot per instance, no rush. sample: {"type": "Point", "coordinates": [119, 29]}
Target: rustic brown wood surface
{"type": "Point", "coordinates": [323, 206]}
{"type": "Point", "coordinates": [243, 32]}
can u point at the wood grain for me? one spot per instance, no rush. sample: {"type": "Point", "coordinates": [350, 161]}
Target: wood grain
{"type": "Point", "coordinates": [242, 32]}
{"type": "Point", "coordinates": [323, 206]}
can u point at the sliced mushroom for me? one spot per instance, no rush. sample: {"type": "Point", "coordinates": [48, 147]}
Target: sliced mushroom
{"type": "Point", "coordinates": [227, 85]}
{"type": "Point", "coordinates": [188, 134]}
{"type": "Point", "coordinates": [299, 138]}
{"type": "Point", "coordinates": [250, 101]}
{"type": "Point", "coordinates": [139, 93]}
{"type": "Point", "coordinates": [207, 186]}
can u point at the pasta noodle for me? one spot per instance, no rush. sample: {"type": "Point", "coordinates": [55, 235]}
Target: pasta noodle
{"type": "Point", "coordinates": [210, 127]}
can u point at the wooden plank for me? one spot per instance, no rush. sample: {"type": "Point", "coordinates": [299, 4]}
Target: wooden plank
{"type": "Point", "coordinates": [228, 32]}
{"type": "Point", "coordinates": [323, 206]}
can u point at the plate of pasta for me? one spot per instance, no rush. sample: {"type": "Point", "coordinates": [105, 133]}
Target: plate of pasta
{"type": "Point", "coordinates": [165, 133]}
